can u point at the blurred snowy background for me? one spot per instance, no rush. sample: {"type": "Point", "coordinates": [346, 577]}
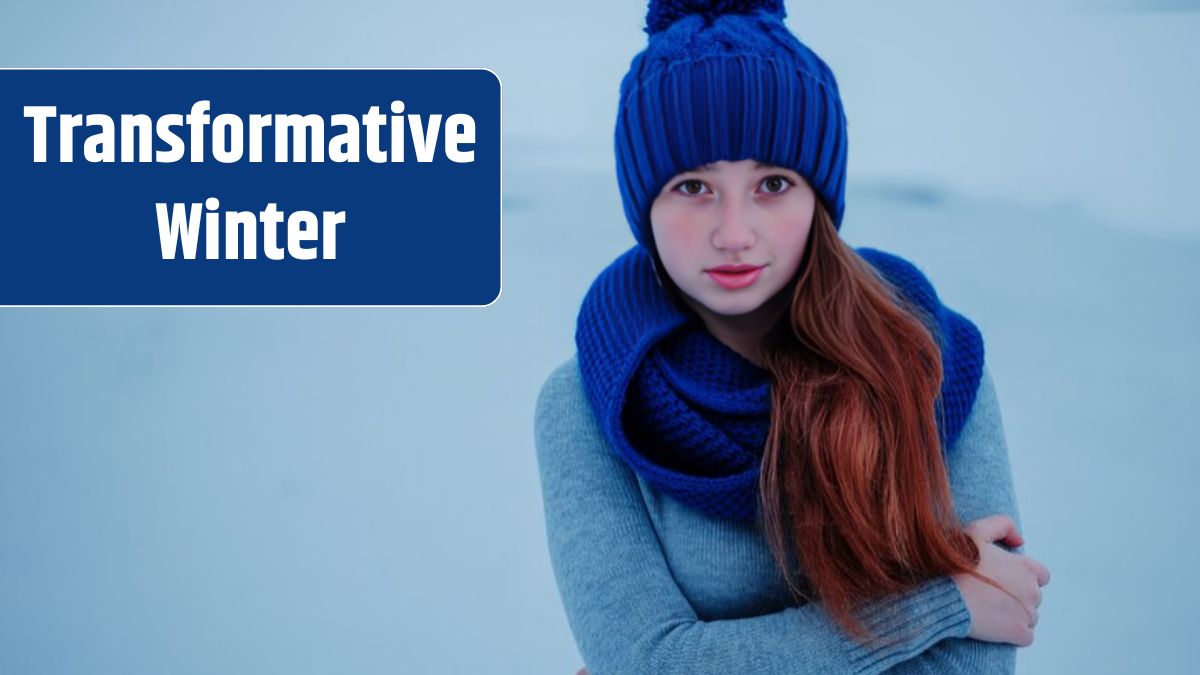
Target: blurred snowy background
{"type": "Point", "coordinates": [354, 491]}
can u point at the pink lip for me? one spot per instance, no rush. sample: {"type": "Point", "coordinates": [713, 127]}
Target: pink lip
{"type": "Point", "coordinates": [735, 276]}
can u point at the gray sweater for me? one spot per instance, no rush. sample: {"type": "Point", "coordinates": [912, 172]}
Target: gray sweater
{"type": "Point", "coordinates": [651, 586]}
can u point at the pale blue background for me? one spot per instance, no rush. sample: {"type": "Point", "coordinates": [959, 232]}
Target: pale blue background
{"type": "Point", "coordinates": [354, 491]}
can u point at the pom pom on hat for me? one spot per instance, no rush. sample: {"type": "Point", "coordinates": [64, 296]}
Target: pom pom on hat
{"type": "Point", "coordinates": [662, 13]}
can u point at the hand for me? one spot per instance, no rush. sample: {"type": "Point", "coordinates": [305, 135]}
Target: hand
{"type": "Point", "coordinates": [1006, 614]}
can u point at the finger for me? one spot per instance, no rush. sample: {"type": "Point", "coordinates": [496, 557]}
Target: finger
{"type": "Point", "coordinates": [993, 528]}
{"type": "Point", "coordinates": [1013, 539]}
{"type": "Point", "coordinates": [1043, 574]}
{"type": "Point", "coordinates": [1025, 637]}
{"type": "Point", "coordinates": [1037, 601]}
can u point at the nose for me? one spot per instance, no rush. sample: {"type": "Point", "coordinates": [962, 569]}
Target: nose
{"type": "Point", "coordinates": [733, 231]}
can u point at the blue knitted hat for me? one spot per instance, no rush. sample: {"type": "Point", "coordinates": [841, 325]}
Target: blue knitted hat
{"type": "Point", "coordinates": [726, 80]}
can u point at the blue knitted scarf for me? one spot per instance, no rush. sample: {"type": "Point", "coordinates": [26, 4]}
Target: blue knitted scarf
{"type": "Point", "coordinates": [689, 414]}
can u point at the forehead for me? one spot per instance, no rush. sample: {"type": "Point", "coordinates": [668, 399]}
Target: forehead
{"type": "Point", "coordinates": [703, 168]}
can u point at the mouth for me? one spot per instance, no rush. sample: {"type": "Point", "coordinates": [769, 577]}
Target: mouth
{"type": "Point", "coordinates": [735, 276]}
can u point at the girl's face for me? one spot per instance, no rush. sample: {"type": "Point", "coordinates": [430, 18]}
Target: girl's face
{"type": "Point", "coordinates": [732, 234]}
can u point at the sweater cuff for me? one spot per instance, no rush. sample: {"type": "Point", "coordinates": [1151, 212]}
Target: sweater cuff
{"type": "Point", "coordinates": [910, 623]}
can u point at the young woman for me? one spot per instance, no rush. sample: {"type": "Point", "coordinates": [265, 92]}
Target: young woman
{"type": "Point", "coordinates": [762, 457]}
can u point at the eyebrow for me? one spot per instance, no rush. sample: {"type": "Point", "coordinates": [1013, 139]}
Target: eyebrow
{"type": "Point", "coordinates": [708, 167]}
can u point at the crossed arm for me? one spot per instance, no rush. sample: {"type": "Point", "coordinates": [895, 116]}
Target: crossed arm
{"type": "Point", "coordinates": [628, 614]}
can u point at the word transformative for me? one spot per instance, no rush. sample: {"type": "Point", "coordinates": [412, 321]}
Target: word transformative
{"type": "Point", "coordinates": [296, 138]}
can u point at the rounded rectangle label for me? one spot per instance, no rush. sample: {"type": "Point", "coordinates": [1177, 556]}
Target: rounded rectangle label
{"type": "Point", "coordinates": [299, 187]}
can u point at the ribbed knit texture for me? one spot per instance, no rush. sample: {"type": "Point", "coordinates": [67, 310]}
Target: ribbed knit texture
{"type": "Point", "coordinates": [650, 585]}
{"type": "Point", "coordinates": [689, 414]}
{"type": "Point", "coordinates": [726, 81]}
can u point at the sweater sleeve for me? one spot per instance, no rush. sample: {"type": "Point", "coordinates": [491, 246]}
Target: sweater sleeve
{"type": "Point", "coordinates": [981, 480]}
{"type": "Point", "coordinates": [624, 607]}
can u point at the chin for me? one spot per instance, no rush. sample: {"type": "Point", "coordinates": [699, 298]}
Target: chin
{"type": "Point", "coordinates": [733, 306]}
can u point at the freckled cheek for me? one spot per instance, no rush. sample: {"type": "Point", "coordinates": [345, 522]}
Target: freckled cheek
{"type": "Point", "coordinates": [686, 234]}
{"type": "Point", "coordinates": [680, 244]}
{"type": "Point", "coordinates": [678, 233]}
{"type": "Point", "coordinates": [791, 238]}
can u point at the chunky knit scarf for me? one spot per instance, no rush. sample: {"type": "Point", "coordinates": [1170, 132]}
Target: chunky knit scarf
{"type": "Point", "coordinates": [689, 414]}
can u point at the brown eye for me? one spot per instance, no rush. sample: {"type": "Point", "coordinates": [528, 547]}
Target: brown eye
{"type": "Point", "coordinates": [691, 187]}
{"type": "Point", "coordinates": [775, 184]}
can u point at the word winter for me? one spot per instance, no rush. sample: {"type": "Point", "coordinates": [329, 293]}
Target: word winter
{"type": "Point", "coordinates": [231, 138]}
{"type": "Point", "coordinates": [180, 229]}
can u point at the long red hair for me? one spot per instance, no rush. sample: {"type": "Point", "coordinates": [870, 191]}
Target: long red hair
{"type": "Point", "coordinates": [853, 486]}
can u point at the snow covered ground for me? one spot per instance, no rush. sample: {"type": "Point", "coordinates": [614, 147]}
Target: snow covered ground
{"type": "Point", "coordinates": [320, 491]}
